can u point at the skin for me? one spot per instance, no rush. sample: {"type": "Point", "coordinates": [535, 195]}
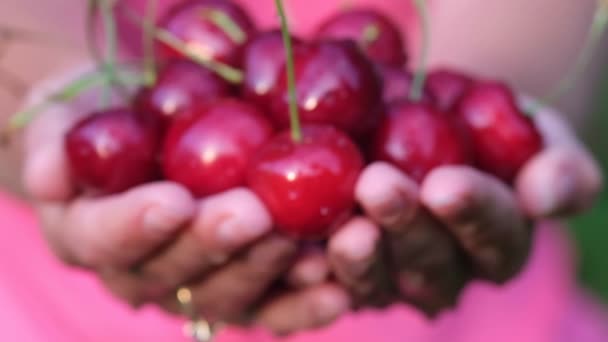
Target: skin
{"type": "Point", "coordinates": [151, 233]}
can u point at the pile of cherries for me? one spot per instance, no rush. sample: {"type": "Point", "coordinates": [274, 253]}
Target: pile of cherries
{"type": "Point", "coordinates": [195, 128]}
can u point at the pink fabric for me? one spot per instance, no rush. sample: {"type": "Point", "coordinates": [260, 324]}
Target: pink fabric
{"type": "Point", "coordinates": [42, 300]}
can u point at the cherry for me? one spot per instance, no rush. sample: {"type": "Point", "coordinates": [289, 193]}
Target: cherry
{"type": "Point", "coordinates": [376, 34]}
{"type": "Point", "coordinates": [307, 185]}
{"type": "Point", "coordinates": [180, 84]}
{"type": "Point", "coordinates": [504, 138]}
{"type": "Point", "coordinates": [447, 87]}
{"type": "Point", "coordinates": [418, 138]}
{"type": "Point", "coordinates": [263, 61]}
{"type": "Point", "coordinates": [336, 85]}
{"type": "Point", "coordinates": [214, 29]}
{"type": "Point", "coordinates": [112, 151]}
{"type": "Point", "coordinates": [397, 84]}
{"type": "Point", "coordinates": [208, 148]}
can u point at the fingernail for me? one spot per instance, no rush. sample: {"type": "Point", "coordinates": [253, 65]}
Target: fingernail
{"type": "Point", "coordinates": [330, 305]}
{"type": "Point", "coordinates": [394, 212]}
{"type": "Point", "coordinates": [160, 220]}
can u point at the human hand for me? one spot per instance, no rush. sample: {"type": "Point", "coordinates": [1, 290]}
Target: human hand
{"type": "Point", "coordinates": [459, 224]}
{"type": "Point", "coordinates": [148, 241]}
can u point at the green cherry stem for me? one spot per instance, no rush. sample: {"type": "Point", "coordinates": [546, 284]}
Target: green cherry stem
{"type": "Point", "coordinates": [109, 23]}
{"type": "Point", "coordinates": [417, 88]}
{"type": "Point", "coordinates": [294, 117]}
{"type": "Point", "coordinates": [597, 29]}
{"type": "Point", "coordinates": [225, 71]}
{"type": "Point", "coordinates": [370, 34]}
{"type": "Point", "coordinates": [226, 24]}
{"type": "Point", "coordinates": [150, 72]}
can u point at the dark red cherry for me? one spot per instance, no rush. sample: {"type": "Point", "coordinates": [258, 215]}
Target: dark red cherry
{"type": "Point", "coordinates": [112, 151]}
{"type": "Point", "coordinates": [417, 138]}
{"type": "Point", "coordinates": [336, 85]}
{"type": "Point", "coordinates": [180, 84]}
{"type": "Point", "coordinates": [308, 186]}
{"type": "Point", "coordinates": [447, 87]}
{"type": "Point", "coordinates": [504, 138]}
{"type": "Point", "coordinates": [376, 34]}
{"type": "Point", "coordinates": [195, 22]}
{"type": "Point", "coordinates": [209, 147]}
{"type": "Point", "coordinates": [263, 62]}
{"type": "Point", "coordinates": [398, 84]}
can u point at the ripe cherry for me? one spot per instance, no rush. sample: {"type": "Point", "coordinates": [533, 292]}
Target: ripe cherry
{"type": "Point", "coordinates": [263, 62]}
{"type": "Point", "coordinates": [336, 85]}
{"type": "Point", "coordinates": [504, 138]}
{"type": "Point", "coordinates": [209, 147]}
{"type": "Point", "coordinates": [112, 151]}
{"type": "Point", "coordinates": [447, 87]}
{"type": "Point", "coordinates": [214, 29]}
{"type": "Point", "coordinates": [308, 186]}
{"type": "Point", "coordinates": [376, 34]}
{"type": "Point", "coordinates": [398, 83]}
{"type": "Point", "coordinates": [180, 84]}
{"type": "Point", "coordinates": [417, 138]}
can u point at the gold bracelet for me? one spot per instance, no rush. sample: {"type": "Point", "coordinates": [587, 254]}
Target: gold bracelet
{"type": "Point", "coordinates": [199, 329]}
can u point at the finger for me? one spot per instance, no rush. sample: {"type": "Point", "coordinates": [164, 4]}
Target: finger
{"type": "Point", "coordinates": [355, 257]}
{"type": "Point", "coordinates": [483, 215]}
{"type": "Point", "coordinates": [225, 224]}
{"type": "Point", "coordinates": [559, 181]}
{"type": "Point", "coordinates": [119, 230]}
{"type": "Point", "coordinates": [46, 174]}
{"type": "Point", "coordinates": [311, 268]}
{"type": "Point", "coordinates": [429, 268]}
{"type": "Point", "coordinates": [388, 196]}
{"type": "Point", "coordinates": [130, 288]}
{"type": "Point", "coordinates": [227, 294]}
{"type": "Point", "coordinates": [306, 309]}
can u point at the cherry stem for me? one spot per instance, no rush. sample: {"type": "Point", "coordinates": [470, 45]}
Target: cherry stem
{"type": "Point", "coordinates": [224, 22]}
{"type": "Point", "coordinates": [225, 71]}
{"type": "Point", "coordinates": [150, 72]}
{"type": "Point", "coordinates": [594, 36]}
{"type": "Point", "coordinates": [294, 117]}
{"type": "Point", "coordinates": [68, 93]}
{"type": "Point", "coordinates": [416, 91]}
{"type": "Point", "coordinates": [109, 23]}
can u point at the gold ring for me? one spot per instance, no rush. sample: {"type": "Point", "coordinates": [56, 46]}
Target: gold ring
{"type": "Point", "coordinates": [199, 329]}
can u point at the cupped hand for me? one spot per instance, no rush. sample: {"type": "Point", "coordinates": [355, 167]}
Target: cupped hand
{"type": "Point", "coordinates": [458, 225]}
{"type": "Point", "coordinates": [147, 242]}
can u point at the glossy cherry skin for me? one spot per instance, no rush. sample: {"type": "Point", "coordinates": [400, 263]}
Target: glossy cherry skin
{"type": "Point", "coordinates": [308, 186]}
{"type": "Point", "coordinates": [336, 85]}
{"type": "Point", "coordinates": [112, 151]}
{"type": "Point", "coordinates": [263, 62]}
{"type": "Point", "coordinates": [191, 23]}
{"type": "Point", "coordinates": [386, 48]}
{"type": "Point", "coordinates": [418, 138]}
{"type": "Point", "coordinates": [180, 84]}
{"type": "Point", "coordinates": [398, 83]}
{"type": "Point", "coordinates": [447, 87]}
{"type": "Point", "coordinates": [504, 138]}
{"type": "Point", "coordinates": [209, 147]}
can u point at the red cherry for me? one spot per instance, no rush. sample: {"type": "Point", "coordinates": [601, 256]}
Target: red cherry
{"type": "Point", "coordinates": [263, 62]}
{"type": "Point", "coordinates": [191, 22]}
{"type": "Point", "coordinates": [504, 138]}
{"type": "Point", "coordinates": [377, 35]}
{"type": "Point", "coordinates": [447, 87]}
{"type": "Point", "coordinates": [397, 84]}
{"type": "Point", "coordinates": [180, 84]}
{"type": "Point", "coordinates": [417, 138]}
{"type": "Point", "coordinates": [112, 151]}
{"type": "Point", "coordinates": [308, 186]}
{"type": "Point", "coordinates": [208, 148]}
{"type": "Point", "coordinates": [335, 85]}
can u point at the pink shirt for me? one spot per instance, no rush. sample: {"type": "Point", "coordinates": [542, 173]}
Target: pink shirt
{"type": "Point", "coordinates": [42, 300]}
